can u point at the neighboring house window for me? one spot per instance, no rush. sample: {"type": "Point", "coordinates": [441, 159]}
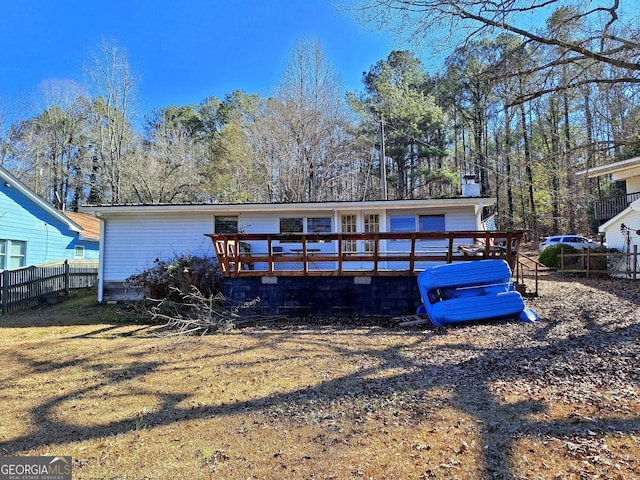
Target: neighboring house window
{"type": "Point", "coordinates": [225, 225]}
{"type": "Point", "coordinates": [431, 223]}
{"type": "Point", "coordinates": [402, 223]}
{"type": "Point", "coordinates": [78, 252]}
{"type": "Point", "coordinates": [12, 253]}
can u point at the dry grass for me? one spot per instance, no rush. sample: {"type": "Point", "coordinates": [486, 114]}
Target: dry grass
{"type": "Point", "coordinates": [553, 400]}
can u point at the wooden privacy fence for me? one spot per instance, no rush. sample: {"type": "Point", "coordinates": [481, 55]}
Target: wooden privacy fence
{"type": "Point", "coordinates": [24, 287]}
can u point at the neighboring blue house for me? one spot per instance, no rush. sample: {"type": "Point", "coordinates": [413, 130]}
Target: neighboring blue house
{"type": "Point", "coordinates": [32, 232]}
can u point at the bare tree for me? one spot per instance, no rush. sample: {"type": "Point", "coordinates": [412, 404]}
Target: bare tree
{"type": "Point", "coordinates": [112, 87]}
{"type": "Point", "coordinates": [166, 169]}
{"type": "Point", "coordinates": [605, 33]}
{"type": "Point", "coordinates": [302, 140]}
{"type": "Point", "coordinates": [49, 151]}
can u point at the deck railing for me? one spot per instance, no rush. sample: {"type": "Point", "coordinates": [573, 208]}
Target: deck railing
{"type": "Point", "coordinates": [355, 254]}
{"type": "Point", "coordinates": [608, 208]}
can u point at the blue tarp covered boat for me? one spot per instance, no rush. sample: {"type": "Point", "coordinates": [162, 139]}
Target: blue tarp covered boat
{"type": "Point", "coordinates": [469, 291]}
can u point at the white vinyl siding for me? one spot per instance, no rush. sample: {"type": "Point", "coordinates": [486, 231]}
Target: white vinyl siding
{"type": "Point", "coordinates": [133, 242]}
{"type": "Point", "coordinates": [633, 185]}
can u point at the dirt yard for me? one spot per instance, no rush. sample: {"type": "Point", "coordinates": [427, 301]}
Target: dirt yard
{"type": "Point", "coordinates": [556, 399]}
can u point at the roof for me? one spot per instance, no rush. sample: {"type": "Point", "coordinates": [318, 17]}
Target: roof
{"type": "Point", "coordinates": [9, 181]}
{"type": "Point", "coordinates": [618, 170]}
{"type": "Point", "coordinates": [89, 223]}
{"type": "Point", "coordinates": [289, 207]}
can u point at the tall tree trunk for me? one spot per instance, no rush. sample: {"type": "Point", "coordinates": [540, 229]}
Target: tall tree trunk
{"type": "Point", "coordinates": [533, 222]}
{"type": "Point", "coordinates": [568, 168]}
{"type": "Point", "coordinates": [556, 164]}
{"type": "Point", "coordinates": [507, 159]}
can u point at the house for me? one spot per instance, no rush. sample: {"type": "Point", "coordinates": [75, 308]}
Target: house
{"type": "Point", "coordinates": [33, 232]}
{"type": "Point", "coordinates": [619, 215]}
{"type": "Point", "coordinates": [134, 236]}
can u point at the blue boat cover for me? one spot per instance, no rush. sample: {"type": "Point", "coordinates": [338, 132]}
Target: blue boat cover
{"type": "Point", "coordinates": [468, 291]}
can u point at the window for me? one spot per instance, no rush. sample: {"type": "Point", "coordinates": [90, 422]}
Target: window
{"type": "Point", "coordinates": [292, 225]}
{"type": "Point", "coordinates": [225, 225]}
{"type": "Point", "coordinates": [297, 225]}
{"type": "Point", "coordinates": [349, 224]}
{"type": "Point", "coordinates": [12, 254]}
{"type": "Point", "coordinates": [319, 225]}
{"type": "Point", "coordinates": [78, 252]}
{"type": "Point", "coordinates": [431, 223]}
{"type": "Point", "coordinates": [371, 225]}
{"type": "Point", "coordinates": [402, 223]}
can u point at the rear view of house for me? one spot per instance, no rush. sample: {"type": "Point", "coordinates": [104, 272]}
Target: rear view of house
{"type": "Point", "coordinates": [134, 236]}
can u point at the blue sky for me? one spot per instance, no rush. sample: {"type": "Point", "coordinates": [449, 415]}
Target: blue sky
{"type": "Point", "coordinates": [182, 50]}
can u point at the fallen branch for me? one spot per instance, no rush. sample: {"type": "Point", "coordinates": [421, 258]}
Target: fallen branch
{"type": "Point", "coordinates": [197, 314]}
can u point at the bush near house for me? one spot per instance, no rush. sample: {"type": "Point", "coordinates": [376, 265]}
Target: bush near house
{"type": "Point", "coordinates": [174, 278]}
{"type": "Point", "coordinates": [550, 257]}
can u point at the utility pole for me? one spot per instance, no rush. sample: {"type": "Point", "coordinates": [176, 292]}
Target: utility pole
{"type": "Point", "coordinates": [383, 161]}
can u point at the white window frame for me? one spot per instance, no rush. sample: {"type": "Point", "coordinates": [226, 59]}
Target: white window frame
{"type": "Point", "coordinates": [8, 255]}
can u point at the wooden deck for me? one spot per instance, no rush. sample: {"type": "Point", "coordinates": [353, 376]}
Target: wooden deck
{"type": "Point", "coordinates": [357, 254]}
{"type": "Point", "coordinates": [608, 208]}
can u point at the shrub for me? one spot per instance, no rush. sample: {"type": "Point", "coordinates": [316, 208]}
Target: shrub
{"type": "Point", "coordinates": [176, 278]}
{"type": "Point", "coordinates": [550, 257]}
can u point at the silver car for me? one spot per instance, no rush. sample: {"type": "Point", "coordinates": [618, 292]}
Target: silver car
{"type": "Point", "coordinates": [576, 241]}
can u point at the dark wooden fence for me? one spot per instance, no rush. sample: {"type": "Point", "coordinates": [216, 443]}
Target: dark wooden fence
{"type": "Point", "coordinates": [24, 287]}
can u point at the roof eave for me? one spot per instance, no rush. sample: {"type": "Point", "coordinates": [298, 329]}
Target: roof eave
{"type": "Point", "coordinates": [15, 183]}
{"type": "Point", "coordinates": [248, 207]}
{"type": "Point", "coordinates": [619, 170]}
